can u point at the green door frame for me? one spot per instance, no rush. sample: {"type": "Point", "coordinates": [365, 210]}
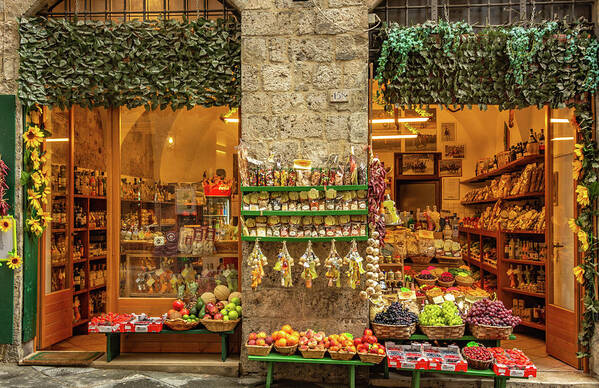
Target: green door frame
{"type": "Point", "coordinates": [8, 120]}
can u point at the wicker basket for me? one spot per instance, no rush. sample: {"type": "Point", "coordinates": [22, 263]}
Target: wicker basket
{"type": "Point", "coordinates": [286, 350]}
{"type": "Point", "coordinates": [311, 353]}
{"type": "Point", "coordinates": [425, 282]}
{"type": "Point", "coordinates": [343, 356]}
{"type": "Point", "coordinates": [443, 332]}
{"type": "Point", "coordinates": [464, 283]}
{"type": "Point", "coordinates": [477, 364]}
{"type": "Point", "coordinates": [420, 299]}
{"type": "Point", "coordinates": [255, 350]}
{"type": "Point", "coordinates": [393, 331]}
{"type": "Point", "coordinates": [218, 325]}
{"type": "Point", "coordinates": [486, 332]}
{"type": "Point", "coordinates": [180, 324]}
{"type": "Point", "coordinates": [372, 358]}
{"type": "Point", "coordinates": [420, 259]}
{"type": "Point", "coordinates": [445, 284]}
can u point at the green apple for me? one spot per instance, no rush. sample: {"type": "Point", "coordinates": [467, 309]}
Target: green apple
{"type": "Point", "coordinates": [238, 309]}
{"type": "Point", "coordinates": [233, 315]}
{"type": "Point", "coordinates": [230, 306]}
{"type": "Point", "coordinates": [225, 318]}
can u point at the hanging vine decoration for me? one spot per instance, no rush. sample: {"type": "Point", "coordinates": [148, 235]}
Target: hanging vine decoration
{"type": "Point", "coordinates": [553, 64]}
{"type": "Point", "coordinates": [35, 176]}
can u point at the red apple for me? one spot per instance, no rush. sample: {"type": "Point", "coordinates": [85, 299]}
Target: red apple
{"type": "Point", "coordinates": [260, 342]}
{"type": "Point", "coordinates": [178, 304]}
{"type": "Point", "coordinates": [252, 342]}
{"type": "Point", "coordinates": [253, 336]}
{"type": "Point", "coordinates": [372, 339]}
{"type": "Point", "coordinates": [381, 351]}
{"type": "Point", "coordinates": [218, 316]}
{"type": "Point", "coordinates": [211, 308]}
{"type": "Point", "coordinates": [220, 305]}
{"type": "Point", "coordinates": [357, 341]}
{"type": "Point", "coordinates": [207, 316]}
{"type": "Point", "coordinates": [367, 332]}
{"type": "Point", "coordinates": [268, 340]}
{"type": "Point", "coordinates": [184, 311]}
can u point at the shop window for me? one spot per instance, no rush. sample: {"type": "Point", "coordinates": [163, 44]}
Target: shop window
{"type": "Point", "coordinates": [178, 202]}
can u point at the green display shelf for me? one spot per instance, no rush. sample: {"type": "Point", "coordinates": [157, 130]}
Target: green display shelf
{"type": "Point", "coordinates": [314, 239]}
{"type": "Point", "coordinates": [302, 188]}
{"type": "Point", "coordinates": [304, 213]}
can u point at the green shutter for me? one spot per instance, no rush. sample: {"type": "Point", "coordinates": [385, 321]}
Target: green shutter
{"type": "Point", "coordinates": [7, 150]}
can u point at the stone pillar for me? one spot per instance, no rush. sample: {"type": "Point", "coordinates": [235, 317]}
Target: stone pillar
{"type": "Point", "coordinates": [294, 54]}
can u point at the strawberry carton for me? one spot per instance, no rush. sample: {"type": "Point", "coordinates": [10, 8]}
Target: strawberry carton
{"type": "Point", "coordinates": [109, 323]}
{"type": "Point", "coordinates": [144, 324]}
{"type": "Point", "coordinates": [512, 363]}
{"type": "Point", "coordinates": [406, 356]}
{"type": "Point", "coordinates": [445, 358]}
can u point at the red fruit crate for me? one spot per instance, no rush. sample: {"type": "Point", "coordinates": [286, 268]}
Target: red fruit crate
{"type": "Point", "coordinates": [405, 356]}
{"type": "Point", "coordinates": [504, 370]}
{"type": "Point", "coordinates": [445, 358]}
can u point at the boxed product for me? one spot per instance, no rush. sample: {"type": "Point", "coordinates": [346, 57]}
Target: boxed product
{"type": "Point", "coordinates": [445, 358]}
{"type": "Point", "coordinates": [109, 323]}
{"type": "Point", "coordinates": [144, 324]}
{"type": "Point", "coordinates": [406, 356]}
{"type": "Point", "coordinates": [512, 362]}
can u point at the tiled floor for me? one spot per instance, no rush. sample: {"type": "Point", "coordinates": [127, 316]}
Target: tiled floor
{"type": "Point", "coordinates": [86, 342]}
{"type": "Point", "coordinates": [535, 349]}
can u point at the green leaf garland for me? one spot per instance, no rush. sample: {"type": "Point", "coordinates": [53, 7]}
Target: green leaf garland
{"type": "Point", "coordinates": [156, 64]}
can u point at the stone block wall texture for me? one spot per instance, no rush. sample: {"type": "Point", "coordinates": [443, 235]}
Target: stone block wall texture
{"type": "Point", "coordinates": [294, 54]}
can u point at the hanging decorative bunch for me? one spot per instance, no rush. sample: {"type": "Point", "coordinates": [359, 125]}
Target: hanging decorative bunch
{"type": "Point", "coordinates": [35, 177]}
{"type": "Point", "coordinates": [257, 261]}
{"type": "Point", "coordinates": [309, 261]}
{"type": "Point", "coordinates": [284, 265]}
{"type": "Point", "coordinates": [376, 196]}
{"type": "Point", "coordinates": [3, 187]}
{"type": "Point", "coordinates": [355, 268]}
{"type": "Point", "coordinates": [333, 264]}
{"type": "Point", "coordinates": [373, 271]}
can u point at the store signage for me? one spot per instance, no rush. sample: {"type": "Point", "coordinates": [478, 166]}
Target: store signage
{"type": "Point", "coordinates": [339, 96]}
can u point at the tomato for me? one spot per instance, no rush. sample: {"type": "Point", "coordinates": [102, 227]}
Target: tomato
{"type": "Point", "coordinates": [367, 332]}
{"type": "Point", "coordinates": [357, 341]}
{"type": "Point", "coordinates": [178, 305]}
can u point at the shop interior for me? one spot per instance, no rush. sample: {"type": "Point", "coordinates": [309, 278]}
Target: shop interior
{"type": "Point", "coordinates": [496, 189]}
{"type": "Point", "coordinates": [126, 183]}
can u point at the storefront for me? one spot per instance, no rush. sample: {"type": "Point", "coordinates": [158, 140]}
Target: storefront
{"type": "Point", "coordinates": [492, 169]}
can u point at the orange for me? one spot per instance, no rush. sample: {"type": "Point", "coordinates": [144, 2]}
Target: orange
{"type": "Point", "coordinates": [281, 342]}
{"type": "Point", "coordinates": [293, 340]}
{"type": "Point", "coordinates": [295, 334]}
{"type": "Point", "coordinates": [287, 329]}
{"type": "Point", "coordinates": [276, 335]}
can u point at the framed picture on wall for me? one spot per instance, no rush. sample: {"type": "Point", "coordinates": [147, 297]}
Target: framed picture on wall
{"type": "Point", "coordinates": [418, 164]}
{"type": "Point", "coordinates": [450, 167]}
{"type": "Point", "coordinates": [448, 132]}
{"type": "Point", "coordinates": [454, 151]}
{"type": "Point", "coordinates": [424, 142]}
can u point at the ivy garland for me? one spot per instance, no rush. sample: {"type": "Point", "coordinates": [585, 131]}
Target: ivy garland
{"type": "Point", "coordinates": [552, 64]}
{"type": "Point", "coordinates": [155, 64]}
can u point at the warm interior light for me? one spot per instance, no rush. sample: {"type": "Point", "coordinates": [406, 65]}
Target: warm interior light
{"type": "Point", "coordinates": [221, 151]}
{"type": "Point", "coordinates": [563, 138]}
{"type": "Point", "coordinates": [57, 139]}
{"type": "Point", "coordinates": [559, 120]}
{"type": "Point", "coordinates": [170, 140]}
{"type": "Point", "coordinates": [231, 120]}
{"type": "Point", "coordinates": [400, 120]}
{"type": "Point", "coordinates": [384, 137]}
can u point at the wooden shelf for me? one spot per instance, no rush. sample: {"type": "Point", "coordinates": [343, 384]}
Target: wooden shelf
{"type": "Point", "coordinates": [80, 229]}
{"type": "Point", "coordinates": [523, 292]}
{"type": "Point", "coordinates": [97, 287]}
{"type": "Point", "coordinates": [510, 198]}
{"type": "Point", "coordinates": [58, 230]}
{"type": "Point", "coordinates": [391, 265]}
{"type": "Point", "coordinates": [148, 202]}
{"type": "Point", "coordinates": [303, 213]}
{"type": "Point", "coordinates": [531, 232]}
{"type": "Point", "coordinates": [524, 262]}
{"type": "Point", "coordinates": [82, 291]}
{"type": "Point", "coordinates": [534, 325]}
{"type": "Point", "coordinates": [100, 229]}
{"type": "Point", "coordinates": [482, 232]}
{"type": "Point", "coordinates": [93, 258]}
{"type": "Point", "coordinates": [246, 189]}
{"type": "Point", "coordinates": [484, 266]}
{"type": "Point", "coordinates": [78, 261]}
{"type": "Point", "coordinates": [515, 165]}
{"type": "Point", "coordinates": [314, 239]}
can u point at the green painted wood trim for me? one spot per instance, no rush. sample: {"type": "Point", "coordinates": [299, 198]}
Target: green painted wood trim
{"type": "Point", "coordinates": [7, 150]}
{"type": "Point", "coordinates": [30, 268]}
{"type": "Point", "coordinates": [275, 357]}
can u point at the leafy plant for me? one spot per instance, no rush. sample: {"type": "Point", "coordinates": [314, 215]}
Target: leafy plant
{"type": "Point", "coordinates": [155, 64]}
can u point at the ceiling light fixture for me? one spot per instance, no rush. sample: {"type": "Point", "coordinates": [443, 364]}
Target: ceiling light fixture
{"type": "Point", "coordinates": [391, 137]}
{"type": "Point", "coordinates": [563, 138]}
{"type": "Point", "coordinates": [57, 139]}
{"type": "Point", "coordinates": [400, 120]}
{"type": "Point", "coordinates": [559, 120]}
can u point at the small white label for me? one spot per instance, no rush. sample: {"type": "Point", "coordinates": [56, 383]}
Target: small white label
{"type": "Point", "coordinates": [141, 328]}
{"type": "Point", "coordinates": [105, 329]}
{"type": "Point", "coordinates": [516, 372]}
{"type": "Point", "coordinates": [449, 367]}
{"type": "Point", "coordinates": [339, 96]}
{"type": "Point", "coordinates": [408, 365]}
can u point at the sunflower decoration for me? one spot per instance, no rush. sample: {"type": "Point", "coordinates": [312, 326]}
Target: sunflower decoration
{"type": "Point", "coordinates": [578, 272]}
{"type": "Point", "coordinates": [582, 196]}
{"type": "Point", "coordinates": [33, 137]}
{"type": "Point", "coordinates": [5, 224]}
{"type": "Point", "coordinates": [35, 226]}
{"type": "Point", "coordinates": [14, 261]}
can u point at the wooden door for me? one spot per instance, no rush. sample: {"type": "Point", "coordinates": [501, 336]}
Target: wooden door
{"type": "Point", "coordinates": [56, 295]}
{"type": "Point", "coordinates": [563, 294]}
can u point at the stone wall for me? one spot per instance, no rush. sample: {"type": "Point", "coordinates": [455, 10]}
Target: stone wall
{"type": "Point", "coordinates": [294, 54]}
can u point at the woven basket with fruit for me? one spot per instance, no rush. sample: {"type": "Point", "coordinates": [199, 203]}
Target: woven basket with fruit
{"type": "Point", "coordinates": [369, 349]}
{"type": "Point", "coordinates": [396, 322]}
{"type": "Point", "coordinates": [259, 344]}
{"type": "Point", "coordinates": [223, 315]}
{"type": "Point", "coordinates": [446, 280]}
{"type": "Point", "coordinates": [442, 322]}
{"type": "Point", "coordinates": [478, 357]}
{"type": "Point", "coordinates": [286, 340]}
{"type": "Point", "coordinates": [425, 278]}
{"type": "Point", "coordinates": [184, 317]}
{"type": "Point", "coordinates": [491, 320]}
{"type": "Point", "coordinates": [341, 346]}
{"type": "Point", "coordinates": [312, 344]}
